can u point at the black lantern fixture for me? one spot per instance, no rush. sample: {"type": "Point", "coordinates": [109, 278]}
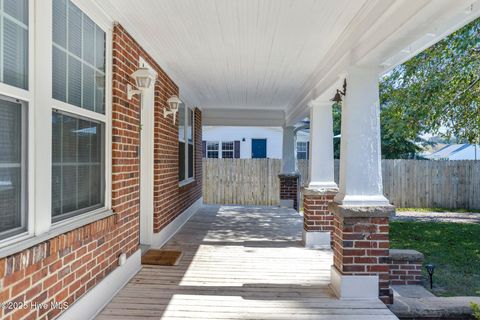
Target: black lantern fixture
{"type": "Point", "coordinates": [339, 94]}
{"type": "Point", "coordinates": [430, 269]}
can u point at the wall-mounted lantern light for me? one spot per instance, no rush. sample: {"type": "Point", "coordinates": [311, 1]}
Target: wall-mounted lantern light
{"type": "Point", "coordinates": [173, 104]}
{"type": "Point", "coordinates": [339, 94]}
{"type": "Point", "coordinates": [143, 78]}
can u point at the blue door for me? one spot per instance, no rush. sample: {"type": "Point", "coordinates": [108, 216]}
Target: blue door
{"type": "Point", "coordinates": [259, 148]}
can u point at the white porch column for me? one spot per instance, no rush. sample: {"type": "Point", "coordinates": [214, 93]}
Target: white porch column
{"type": "Point", "coordinates": [321, 163]}
{"type": "Point", "coordinates": [289, 163]}
{"type": "Point", "coordinates": [360, 210]}
{"type": "Point", "coordinates": [317, 218]}
{"type": "Point", "coordinates": [360, 161]}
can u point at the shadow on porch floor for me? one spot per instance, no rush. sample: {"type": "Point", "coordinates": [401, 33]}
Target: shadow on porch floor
{"type": "Point", "coordinates": [240, 262]}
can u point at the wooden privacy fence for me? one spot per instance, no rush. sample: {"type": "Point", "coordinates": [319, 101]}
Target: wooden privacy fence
{"type": "Point", "coordinates": [406, 183]}
{"type": "Point", "coordinates": [241, 181]}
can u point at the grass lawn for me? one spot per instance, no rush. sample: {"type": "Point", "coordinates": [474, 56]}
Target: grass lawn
{"type": "Point", "coordinates": [454, 248]}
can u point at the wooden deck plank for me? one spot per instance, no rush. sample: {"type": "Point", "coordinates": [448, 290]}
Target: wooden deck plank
{"type": "Point", "coordinates": [240, 263]}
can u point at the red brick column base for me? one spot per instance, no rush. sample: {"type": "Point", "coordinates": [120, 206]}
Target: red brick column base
{"type": "Point", "coordinates": [289, 189]}
{"type": "Point", "coordinates": [317, 217]}
{"type": "Point", "coordinates": [361, 251]}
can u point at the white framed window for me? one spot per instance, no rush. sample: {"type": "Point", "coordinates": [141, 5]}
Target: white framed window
{"type": "Point", "coordinates": [186, 144]}
{"type": "Point", "coordinates": [228, 149]}
{"type": "Point", "coordinates": [78, 138]}
{"type": "Point", "coordinates": [302, 150]}
{"type": "Point", "coordinates": [55, 120]}
{"type": "Point", "coordinates": [213, 149]}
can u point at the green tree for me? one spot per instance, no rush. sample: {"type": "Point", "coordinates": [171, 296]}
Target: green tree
{"type": "Point", "coordinates": [436, 92]}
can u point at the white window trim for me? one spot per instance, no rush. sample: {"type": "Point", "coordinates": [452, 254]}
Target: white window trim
{"type": "Point", "coordinates": [40, 107]}
{"type": "Point", "coordinates": [187, 179]}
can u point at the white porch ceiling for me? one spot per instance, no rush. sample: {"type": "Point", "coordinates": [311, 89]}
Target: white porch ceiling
{"type": "Point", "coordinates": [277, 55]}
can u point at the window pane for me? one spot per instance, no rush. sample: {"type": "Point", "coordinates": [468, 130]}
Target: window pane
{"type": "Point", "coordinates": [190, 160]}
{"type": "Point", "coordinates": [88, 88]}
{"type": "Point", "coordinates": [227, 149]}
{"type": "Point", "coordinates": [100, 49]}
{"type": "Point", "coordinates": [17, 9]}
{"type": "Point", "coordinates": [15, 43]}
{"type": "Point", "coordinates": [59, 85]}
{"type": "Point", "coordinates": [82, 49]}
{"type": "Point", "coordinates": [74, 81]}
{"type": "Point", "coordinates": [74, 30]}
{"type": "Point", "coordinates": [12, 169]}
{"type": "Point", "coordinates": [190, 126]}
{"type": "Point", "coordinates": [181, 122]}
{"type": "Point", "coordinates": [60, 23]}
{"type": "Point", "coordinates": [181, 161]}
{"type": "Point", "coordinates": [212, 149]}
{"type": "Point", "coordinates": [99, 92]}
{"type": "Point", "coordinates": [77, 169]}
{"type": "Point", "coordinates": [88, 40]}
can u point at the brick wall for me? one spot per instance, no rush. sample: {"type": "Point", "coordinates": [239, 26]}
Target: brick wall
{"type": "Point", "coordinates": [361, 247]}
{"type": "Point", "coordinates": [64, 267]}
{"type": "Point", "coordinates": [169, 199]}
{"type": "Point", "coordinates": [289, 185]}
{"type": "Point", "coordinates": [405, 267]}
{"type": "Point", "coordinates": [316, 214]}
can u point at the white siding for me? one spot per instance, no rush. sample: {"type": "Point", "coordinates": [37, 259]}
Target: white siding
{"type": "Point", "coordinates": [272, 134]}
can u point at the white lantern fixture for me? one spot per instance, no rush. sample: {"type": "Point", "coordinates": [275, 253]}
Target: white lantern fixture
{"type": "Point", "coordinates": [143, 79]}
{"type": "Point", "coordinates": [173, 103]}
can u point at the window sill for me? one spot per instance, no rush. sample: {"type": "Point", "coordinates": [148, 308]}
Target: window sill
{"type": "Point", "coordinates": [57, 229]}
{"type": "Point", "coordinates": [185, 182]}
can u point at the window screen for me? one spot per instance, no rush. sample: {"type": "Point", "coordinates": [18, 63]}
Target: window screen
{"type": "Point", "coordinates": [13, 168]}
{"type": "Point", "coordinates": [78, 75]}
{"type": "Point", "coordinates": [14, 43]}
{"type": "Point", "coordinates": [78, 166]}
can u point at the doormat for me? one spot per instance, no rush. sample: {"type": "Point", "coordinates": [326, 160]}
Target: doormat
{"type": "Point", "coordinates": [161, 257]}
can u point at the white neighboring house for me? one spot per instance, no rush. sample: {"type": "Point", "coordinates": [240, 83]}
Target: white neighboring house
{"type": "Point", "coordinates": [463, 151]}
{"type": "Point", "coordinates": [249, 142]}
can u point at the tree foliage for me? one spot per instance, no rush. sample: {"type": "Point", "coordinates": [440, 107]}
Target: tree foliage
{"type": "Point", "coordinates": [436, 92]}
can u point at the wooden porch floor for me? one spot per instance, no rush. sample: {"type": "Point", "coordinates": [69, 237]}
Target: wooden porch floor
{"type": "Point", "coordinates": [240, 263]}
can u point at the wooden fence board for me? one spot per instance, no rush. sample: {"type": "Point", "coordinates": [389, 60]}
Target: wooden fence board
{"type": "Point", "coordinates": [406, 183]}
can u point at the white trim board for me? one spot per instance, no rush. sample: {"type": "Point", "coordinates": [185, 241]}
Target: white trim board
{"type": "Point", "coordinates": [353, 287]}
{"type": "Point", "coordinates": [93, 302]}
{"type": "Point", "coordinates": [159, 239]}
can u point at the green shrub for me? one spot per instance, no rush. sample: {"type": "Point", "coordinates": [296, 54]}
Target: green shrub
{"type": "Point", "coordinates": [476, 310]}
